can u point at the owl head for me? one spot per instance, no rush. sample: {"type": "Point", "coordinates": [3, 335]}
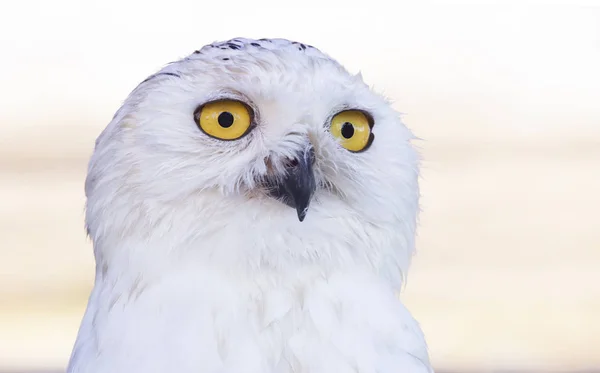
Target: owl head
{"type": "Point", "coordinates": [255, 154]}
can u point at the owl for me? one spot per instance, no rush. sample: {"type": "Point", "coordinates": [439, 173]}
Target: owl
{"type": "Point", "coordinates": [252, 208]}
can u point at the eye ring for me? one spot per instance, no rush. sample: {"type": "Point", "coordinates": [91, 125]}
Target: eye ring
{"type": "Point", "coordinates": [213, 113]}
{"type": "Point", "coordinates": [353, 129]}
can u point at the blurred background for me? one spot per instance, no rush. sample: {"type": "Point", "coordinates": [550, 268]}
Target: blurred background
{"type": "Point", "coordinates": [506, 100]}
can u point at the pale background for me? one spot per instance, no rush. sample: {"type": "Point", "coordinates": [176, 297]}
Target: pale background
{"type": "Point", "coordinates": [505, 98]}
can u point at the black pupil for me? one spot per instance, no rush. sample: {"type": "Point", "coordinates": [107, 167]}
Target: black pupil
{"type": "Point", "coordinates": [347, 130]}
{"type": "Point", "coordinates": [225, 119]}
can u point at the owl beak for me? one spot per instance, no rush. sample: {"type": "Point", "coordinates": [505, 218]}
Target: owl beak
{"type": "Point", "coordinates": [298, 185]}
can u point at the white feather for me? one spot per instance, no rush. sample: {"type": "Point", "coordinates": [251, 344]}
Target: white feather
{"type": "Point", "coordinates": [198, 271]}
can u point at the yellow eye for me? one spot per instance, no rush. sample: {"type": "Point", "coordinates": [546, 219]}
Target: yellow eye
{"type": "Point", "coordinates": [352, 128]}
{"type": "Point", "coordinates": [224, 119]}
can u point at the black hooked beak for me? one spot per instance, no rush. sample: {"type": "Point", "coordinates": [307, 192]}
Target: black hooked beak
{"type": "Point", "coordinates": [297, 187]}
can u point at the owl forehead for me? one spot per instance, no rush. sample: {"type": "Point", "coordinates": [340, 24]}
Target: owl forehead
{"type": "Point", "coordinates": [272, 72]}
{"type": "Point", "coordinates": [284, 60]}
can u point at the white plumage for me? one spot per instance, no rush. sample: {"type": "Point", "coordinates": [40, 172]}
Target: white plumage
{"type": "Point", "coordinates": [202, 268]}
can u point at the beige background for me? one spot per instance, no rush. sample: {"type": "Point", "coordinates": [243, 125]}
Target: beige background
{"type": "Point", "coordinates": [506, 100]}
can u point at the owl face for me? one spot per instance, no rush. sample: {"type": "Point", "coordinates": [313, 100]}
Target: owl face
{"type": "Point", "coordinates": [257, 132]}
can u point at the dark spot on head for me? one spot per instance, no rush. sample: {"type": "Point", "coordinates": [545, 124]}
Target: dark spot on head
{"type": "Point", "coordinates": [233, 46]}
{"type": "Point", "coordinates": [225, 119]}
{"type": "Point", "coordinates": [291, 163]}
{"type": "Point", "coordinates": [255, 44]}
{"type": "Point", "coordinates": [225, 59]}
{"type": "Point", "coordinates": [347, 130]}
{"type": "Point", "coordinates": [159, 74]}
{"type": "Point", "coordinates": [196, 51]}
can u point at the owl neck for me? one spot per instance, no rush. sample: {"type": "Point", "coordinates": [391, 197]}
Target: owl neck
{"type": "Point", "coordinates": [251, 256]}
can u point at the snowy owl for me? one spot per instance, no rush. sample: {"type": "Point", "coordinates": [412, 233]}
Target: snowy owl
{"type": "Point", "coordinates": [252, 208]}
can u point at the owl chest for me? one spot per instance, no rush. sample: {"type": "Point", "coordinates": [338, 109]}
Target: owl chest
{"type": "Point", "coordinates": [290, 327]}
{"type": "Point", "coordinates": [214, 325]}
